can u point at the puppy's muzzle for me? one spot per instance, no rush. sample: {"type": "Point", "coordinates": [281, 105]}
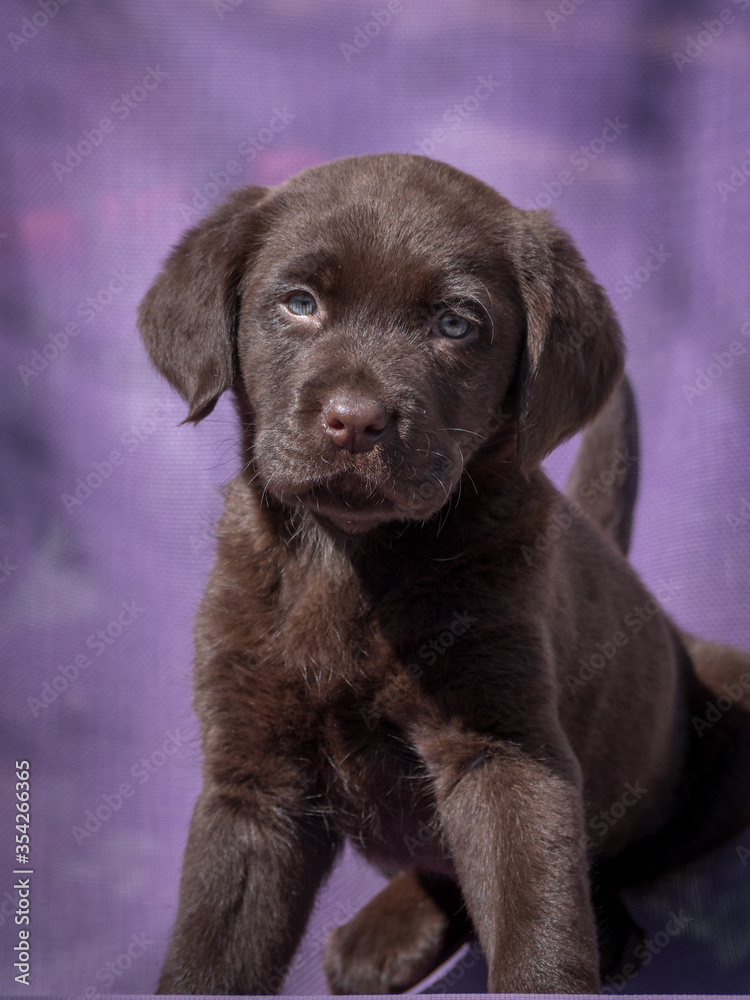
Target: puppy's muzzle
{"type": "Point", "coordinates": [354, 424]}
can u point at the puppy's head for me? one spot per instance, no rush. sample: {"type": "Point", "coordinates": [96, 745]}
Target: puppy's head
{"type": "Point", "coordinates": [386, 321]}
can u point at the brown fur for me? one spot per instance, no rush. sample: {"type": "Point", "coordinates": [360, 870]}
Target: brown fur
{"type": "Point", "coordinates": [384, 650]}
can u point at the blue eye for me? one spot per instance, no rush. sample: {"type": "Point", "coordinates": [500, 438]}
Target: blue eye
{"type": "Point", "coordinates": [301, 304]}
{"type": "Point", "coordinates": [453, 326]}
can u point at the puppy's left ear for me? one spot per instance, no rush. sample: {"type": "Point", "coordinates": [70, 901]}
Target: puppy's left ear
{"type": "Point", "coordinates": [573, 356]}
{"type": "Point", "coordinates": [188, 317]}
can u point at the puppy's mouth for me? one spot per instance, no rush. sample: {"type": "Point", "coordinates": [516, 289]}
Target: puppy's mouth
{"type": "Point", "coordinates": [356, 492]}
{"type": "Point", "coordinates": [350, 501]}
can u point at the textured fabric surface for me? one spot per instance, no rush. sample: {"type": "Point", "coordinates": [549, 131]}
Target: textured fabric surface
{"type": "Point", "coordinates": [123, 122]}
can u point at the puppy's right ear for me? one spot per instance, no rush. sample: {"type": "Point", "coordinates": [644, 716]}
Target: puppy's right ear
{"type": "Point", "coordinates": [188, 317]}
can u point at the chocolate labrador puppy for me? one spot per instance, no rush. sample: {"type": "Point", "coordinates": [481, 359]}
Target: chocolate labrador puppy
{"type": "Point", "coordinates": [410, 640]}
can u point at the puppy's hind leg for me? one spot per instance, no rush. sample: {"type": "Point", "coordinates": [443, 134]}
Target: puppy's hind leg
{"type": "Point", "coordinates": [398, 937]}
{"type": "Point", "coordinates": [720, 731]}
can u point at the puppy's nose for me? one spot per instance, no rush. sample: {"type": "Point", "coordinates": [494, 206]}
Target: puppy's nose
{"type": "Point", "coordinates": [354, 424]}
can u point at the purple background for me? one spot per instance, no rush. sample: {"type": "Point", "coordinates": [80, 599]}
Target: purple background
{"type": "Point", "coordinates": [80, 243]}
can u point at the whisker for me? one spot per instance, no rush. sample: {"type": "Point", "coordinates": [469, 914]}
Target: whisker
{"type": "Point", "coordinates": [464, 430]}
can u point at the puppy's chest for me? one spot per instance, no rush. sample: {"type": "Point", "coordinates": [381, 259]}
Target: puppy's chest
{"type": "Point", "coordinates": [358, 667]}
{"type": "Point", "coordinates": [378, 793]}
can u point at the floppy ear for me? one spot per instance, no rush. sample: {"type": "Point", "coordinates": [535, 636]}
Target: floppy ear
{"type": "Point", "coordinates": [573, 356]}
{"type": "Point", "coordinates": [188, 317]}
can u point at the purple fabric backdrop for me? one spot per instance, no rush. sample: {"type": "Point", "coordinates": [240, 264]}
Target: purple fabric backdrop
{"type": "Point", "coordinates": [124, 121]}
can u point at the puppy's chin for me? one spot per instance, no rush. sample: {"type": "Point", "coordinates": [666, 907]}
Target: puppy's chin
{"type": "Point", "coordinates": [355, 506]}
{"type": "Point", "coordinates": [354, 522]}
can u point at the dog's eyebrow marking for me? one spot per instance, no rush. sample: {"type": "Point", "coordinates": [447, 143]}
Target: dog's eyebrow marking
{"type": "Point", "coordinates": [304, 267]}
{"type": "Point", "coordinates": [463, 287]}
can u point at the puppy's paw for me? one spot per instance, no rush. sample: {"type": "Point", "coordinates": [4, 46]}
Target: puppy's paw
{"type": "Point", "coordinates": [392, 943]}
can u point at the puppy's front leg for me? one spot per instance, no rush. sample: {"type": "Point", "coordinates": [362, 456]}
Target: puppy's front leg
{"type": "Point", "coordinates": [248, 883]}
{"type": "Point", "coordinates": [514, 826]}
